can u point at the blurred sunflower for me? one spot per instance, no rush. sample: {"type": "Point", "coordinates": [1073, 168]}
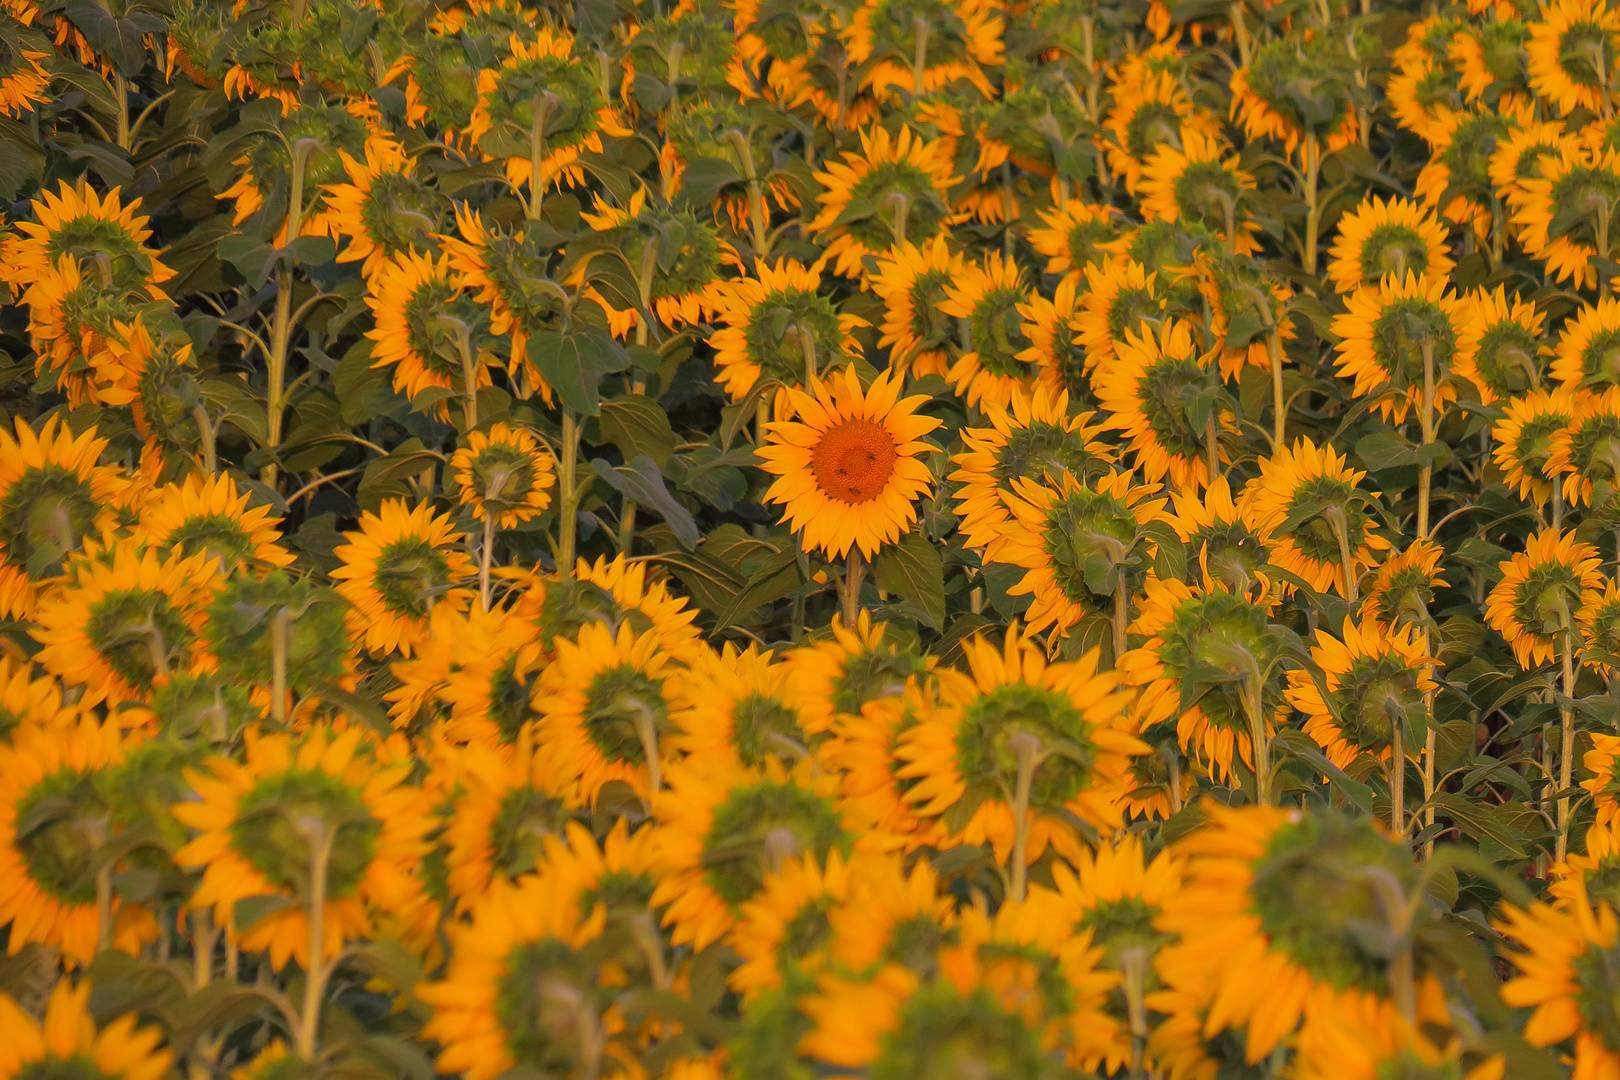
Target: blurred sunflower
{"type": "Point", "coordinates": [1586, 452]}
{"type": "Point", "coordinates": [1566, 961]}
{"type": "Point", "coordinates": [54, 829]}
{"type": "Point", "coordinates": [260, 821]}
{"type": "Point", "coordinates": [1523, 440]}
{"type": "Point", "coordinates": [745, 703]}
{"type": "Point", "coordinates": [848, 470]}
{"type": "Point", "coordinates": [1571, 55]}
{"type": "Point", "coordinates": [396, 568]}
{"type": "Point", "coordinates": [29, 699]}
{"type": "Point", "coordinates": [995, 360]}
{"type": "Point", "coordinates": [1119, 297]}
{"type": "Point", "coordinates": [481, 664]}
{"type": "Point", "coordinates": [1393, 236]}
{"type": "Point", "coordinates": [1603, 762]}
{"type": "Point", "coordinates": [891, 193]}
{"type": "Point", "coordinates": [1520, 156]}
{"type": "Point", "coordinates": [126, 620]}
{"type": "Point", "coordinates": [853, 666]}
{"type": "Point", "coordinates": [1293, 88]}
{"type": "Point", "coordinates": [911, 281]}
{"type": "Point", "coordinates": [924, 47]}
{"type": "Point", "coordinates": [1154, 391]}
{"type": "Point", "coordinates": [66, 1042]}
{"type": "Point", "coordinates": [776, 327]}
{"type": "Point", "coordinates": [1588, 349]}
{"type": "Point", "coordinates": [616, 593]}
{"type": "Point", "coordinates": [1599, 620]}
{"type": "Point", "coordinates": [1146, 116]}
{"type": "Point", "coordinates": [688, 257]}
{"type": "Point", "coordinates": [1270, 920]}
{"type": "Point", "coordinates": [211, 516]}
{"type": "Point", "coordinates": [504, 473]}
{"type": "Point", "coordinates": [1187, 631]}
{"type": "Point", "coordinates": [1394, 332]}
{"type": "Point", "coordinates": [604, 703]}
{"type": "Point", "coordinates": [1374, 677]}
{"type": "Point", "coordinates": [426, 329]}
{"type": "Point", "coordinates": [1331, 530]}
{"type": "Point", "coordinates": [1533, 606]}
{"type": "Point", "coordinates": [384, 210]}
{"type": "Point", "coordinates": [23, 83]}
{"type": "Point", "coordinates": [1562, 212]}
{"type": "Point", "coordinates": [723, 827]}
{"type": "Point", "coordinates": [1055, 345]}
{"type": "Point", "coordinates": [1035, 438]}
{"type": "Point", "coordinates": [786, 927]}
{"type": "Point", "coordinates": [1499, 345]}
{"type": "Point", "coordinates": [1200, 180]}
{"type": "Point", "coordinates": [1079, 544]}
{"type": "Point", "coordinates": [52, 495]}
{"type": "Point", "coordinates": [862, 747]}
{"type": "Point", "coordinates": [1073, 236]}
{"type": "Point", "coordinates": [496, 830]}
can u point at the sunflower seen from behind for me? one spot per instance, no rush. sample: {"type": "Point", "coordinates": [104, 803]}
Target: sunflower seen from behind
{"type": "Point", "coordinates": [397, 567]}
{"type": "Point", "coordinates": [69, 1043]}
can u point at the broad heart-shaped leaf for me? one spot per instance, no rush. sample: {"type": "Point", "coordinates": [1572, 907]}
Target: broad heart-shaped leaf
{"type": "Point", "coordinates": [912, 570]}
{"type": "Point", "coordinates": [121, 40]}
{"type": "Point", "coordinates": [703, 179]}
{"type": "Point", "coordinates": [574, 362]}
{"type": "Point", "coordinates": [637, 425]}
{"type": "Point", "coordinates": [1479, 819]}
{"type": "Point", "coordinates": [642, 481]}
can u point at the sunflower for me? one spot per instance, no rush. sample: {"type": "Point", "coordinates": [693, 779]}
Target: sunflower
{"type": "Point", "coordinates": [77, 223]}
{"type": "Point", "coordinates": [861, 749]}
{"type": "Point", "coordinates": [890, 193]}
{"type": "Point", "coordinates": [125, 620]}
{"type": "Point", "coordinates": [1198, 180]}
{"type": "Point", "coordinates": [689, 257]}
{"type": "Point", "coordinates": [744, 703]}
{"type": "Point", "coordinates": [385, 211]}
{"type": "Point", "coordinates": [211, 516]}
{"type": "Point", "coordinates": [1590, 874]}
{"type": "Point", "coordinates": [996, 359]}
{"type": "Point", "coordinates": [1374, 677]}
{"type": "Point", "coordinates": [1077, 543]}
{"type": "Point", "coordinates": [1588, 350]}
{"type": "Point", "coordinates": [1499, 346]}
{"type": "Point", "coordinates": [31, 700]}
{"type": "Point", "coordinates": [1520, 156]}
{"type": "Point", "coordinates": [1073, 236]}
{"type": "Point", "coordinates": [604, 703]}
{"type": "Point", "coordinates": [1114, 894]}
{"type": "Point", "coordinates": [1424, 96]}
{"type": "Point", "coordinates": [496, 830]}
{"type": "Point", "coordinates": [1270, 94]}
{"type": "Point", "coordinates": [1382, 237]}
{"type": "Point", "coordinates": [1599, 620]}
{"type": "Point", "coordinates": [1401, 593]}
{"type": "Point", "coordinates": [786, 926]}
{"type": "Point", "coordinates": [481, 664]}
{"type": "Point", "coordinates": [1457, 182]}
{"type": "Point", "coordinates": [254, 819]}
{"type": "Point", "coordinates": [23, 83]}
{"type": "Point", "coordinates": [1566, 961]}
{"type": "Point", "coordinates": [615, 593]}
{"type": "Point", "coordinates": [67, 1043]}
{"type": "Point", "coordinates": [1149, 390]}
{"type": "Point", "coordinates": [1387, 332]}
{"type": "Point", "coordinates": [1314, 493]}
{"type": "Point", "coordinates": [911, 281]}
{"type": "Point", "coordinates": [501, 268]}
{"type": "Point", "coordinates": [504, 473]}
{"type": "Point", "coordinates": [1573, 184]}
{"type": "Point", "coordinates": [1035, 438]}
{"type": "Point", "coordinates": [776, 327]}
{"type": "Point", "coordinates": [851, 667]}
{"type": "Point", "coordinates": [1066, 720]}
{"type": "Point", "coordinates": [1533, 606]}
{"type": "Point", "coordinates": [1187, 630]}
{"type": "Point", "coordinates": [723, 827]}
{"type": "Point", "coordinates": [1146, 116]}
{"type": "Point", "coordinates": [1212, 527]}
{"type": "Point", "coordinates": [1524, 436]}
{"type": "Point", "coordinates": [962, 38]}
{"type": "Point", "coordinates": [426, 329]}
{"type": "Point", "coordinates": [1587, 451]}
{"type": "Point", "coordinates": [396, 567]}
{"type": "Point", "coordinates": [848, 470]}
{"type": "Point", "coordinates": [1603, 762]}
{"type": "Point", "coordinates": [1271, 921]}
{"type": "Point", "coordinates": [521, 989]}
{"type": "Point", "coordinates": [1119, 297]}
{"type": "Point", "coordinates": [1571, 54]}
{"type": "Point", "coordinates": [52, 494]}
{"type": "Point", "coordinates": [1359, 1040]}
{"type": "Point", "coordinates": [1055, 347]}
{"type": "Point", "coordinates": [53, 826]}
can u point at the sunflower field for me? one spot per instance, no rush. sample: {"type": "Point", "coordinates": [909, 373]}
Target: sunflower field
{"type": "Point", "coordinates": [809, 539]}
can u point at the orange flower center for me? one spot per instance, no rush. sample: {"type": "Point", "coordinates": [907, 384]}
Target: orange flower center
{"type": "Point", "coordinates": [854, 460]}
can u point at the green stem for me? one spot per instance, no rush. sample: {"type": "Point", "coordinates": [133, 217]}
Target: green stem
{"type": "Point", "coordinates": [1397, 780]}
{"type": "Point", "coordinates": [1566, 757]}
{"type": "Point", "coordinates": [486, 558]}
{"type": "Point", "coordinates": [1426, 415]}
{"type": "Point", "coordinates": [1259, 737]}
{"type": "Point", "coordinates": [104, 910]}
{"type": "Point", "coordinates": [1027, 747]}
{"type": "Point", "coordinates": [278, 666]}
{"type": "Point", "coordinates": [320, 859]}
{"type": "Point", "coordinates": [1279, 403]}
{"type": "Point", "coordinates": [854, 578]}
{"type": "Point", "coordinates": [537, 153]}
{"type": "Point", "coordinates": [567, 527]}
{"type": "Point", "coordinates": [920, 27]}
{"type": "Point", "coordinates": [1122, 617]}
{"type": "Point", "coordinates": [1313, 210]}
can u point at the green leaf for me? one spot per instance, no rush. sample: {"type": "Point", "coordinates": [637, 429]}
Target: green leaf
{"type": "Point", "coordinates": [637, 425]}
{"type": "Point", "coordinates": [575, 362]}
{"type": "Point", "coordinates": [912, 570]}
{"type": "Point", "coordinates": [777, 577]}
{"type": "Point", "coordinates": [1478, 819]}
{"type": "Point", "coordinates": [703, 179]}
{"type": "Point", "coordinates": [642, 481]}
{"type": "Point", "coordinates": [1302, 746]}
{"type": "Point", "coordinates": [121, 40]}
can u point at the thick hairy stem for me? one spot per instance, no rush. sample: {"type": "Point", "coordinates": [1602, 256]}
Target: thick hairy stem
{"type": "Point", "coordinates": [919, 58]}
{"type": "Point", "coordinates": [1426, 415]}
{"type": "Point", "coordinates": [567, 527]}
{"type": "Point", "coordinates": [204, 935]}
{"type": "Point", "coordinates": [120, 89]}
{"type": "Point", "coordinates": [756, 191]}
{"type": "Point", "coordinates": [469, 381]}
{"type": "Point", "coordinates": [205, 435]}
{"type": "Point", "coordinates": [278, 665]}
{"type": "Point", "coordinates": [1028, 748]}
{"type": "Point", "coordinates": [320, 861]}
{"type": "Point", "coordinates": [1122, 617]}
{"type": "Point", "coordinates": [1428, 758]}
{"type": "Point", "coordinates": [1398, 912]}
{"type": "Point", "coordinates": [537, 155]}
{"type": "Point", "coordinates": [1240, 30]}
{"type": "Point", "coordinates": [486, 557]}
{"type": "Point", "coordinates": [281, 321]}
{"type": "Point", "coordinates": [104, 908]}
{"type": "Point", "coordinates": [648, 734]}
{"type": "Point", "coordinates": [854, 578]}
{"type": "Point", "coordinates": [1566, 754]}
{"type": "Point", "coordinates": [807, 342]}
{"type": "Point", "coordinates": [1397, 780]}
{"type": "Point", "coordinates": [1313, 211]}
{"type": "Point", "coordinates": [1347, 564]}
{"type": "Point", "coordinates": [1260, 738]}
{"type": "Point", "coordinates": [1279, 403]}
